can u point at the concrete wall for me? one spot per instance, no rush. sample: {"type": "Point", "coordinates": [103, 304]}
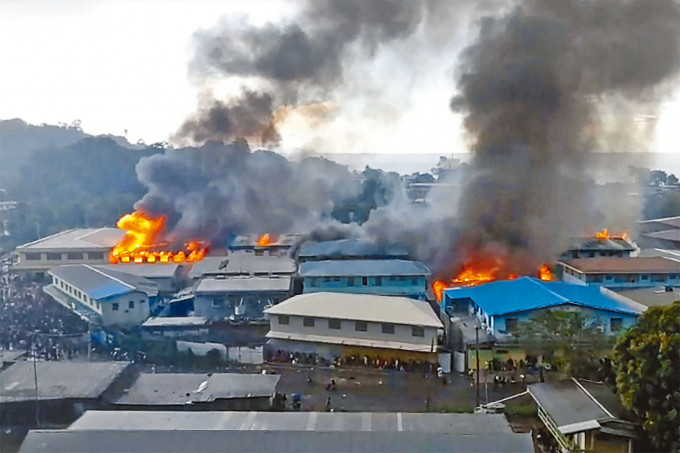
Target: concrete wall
{"type": "Point", "coordinates": [126, 315]}
{"type": "Point", "coordinates": [54, 258]}
{"type": "Point", "coordinates": [414, 287]}
{"type": "Point", "coordinates": [402, 333]}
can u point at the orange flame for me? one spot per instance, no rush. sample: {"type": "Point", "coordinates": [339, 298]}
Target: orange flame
{"type": "Point", "coordinates": [264, 240]}
{"type": "Point", "coordinates": [142, 236]}
{"type": "Point", "coordinates": [438, 287]}
{"type": "Point", "coordinates": [604, 234]}
{"type": "Point", "coordinates": [545, 274]}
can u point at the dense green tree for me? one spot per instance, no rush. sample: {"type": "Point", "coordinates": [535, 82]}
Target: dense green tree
{"type": "Point", "coordinates": [647, 358]}
{"type": "Point", "coordinates": [567, 339]}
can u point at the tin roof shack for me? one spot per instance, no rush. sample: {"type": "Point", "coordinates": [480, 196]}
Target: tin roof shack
{"type": "Point", "coordinates": [338, 324]}
{"type": "Point", "coordinates": [283, 431]}
{"type": "Point", "coordinates": [65, 390]}
{"type": "Point", "coordinates": [626, 273]}
{"type": "Point", "coordinates": [103, 295]}
{"type": "Point", "coordinates": [77, 246]}
{"type": "Point", "coordinates": [583, 416]}
{"type": "Point", "coordinates": [169, 277]}
{"type": "Point", "coordinates": [498, 308]}
{"type": "Point", "coordinates": [379, 277]}
{"type": "Point", "coordinates": [200, 392]}
{"type": "Point", "coordinates": [239, 299]}
{"type": "Point", "coordinates": [242, 264]}
{"type": "Point", "coordinates": [350, 249]}
{"type": "Point", "coordinates": [274, 245]}
{"type": "Point", "coordinates": [591, 247]}
{"type": "Point", "coordinates": [176, 327]}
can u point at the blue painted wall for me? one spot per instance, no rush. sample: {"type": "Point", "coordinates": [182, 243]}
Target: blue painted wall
{"type": "Point", "coordinates": [414, 287]}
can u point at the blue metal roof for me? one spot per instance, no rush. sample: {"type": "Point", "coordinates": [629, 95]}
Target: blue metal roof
{"type": "Point", "coordinates": [347, 268]}
{"type": "Point", "coordinates": [100, 284]}
{"type": "Point", "coordinates": [529, 293]}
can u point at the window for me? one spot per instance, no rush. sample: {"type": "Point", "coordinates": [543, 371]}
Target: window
{"type": "Point", "coordinates": [284, 320]}
{"type": "Point", "coordinates": [312, 282]}
{"type": "Point", "coordinates": [308, 322]}
{"type": "Point", "coordinates": [364, 281]}
{"type": "Point", "coordinates": [378, 281]}
{"type": "Point", "coordinates": [54, 256]}
{"type": "Point", "coordinates": [418, 331]}
{"type": "Point", "coordinates": [33, 256]}
{"type": "Point", "coordinates": [218, 303]}
{"type": "Point", "coordinates": [334, 324]}
{"type": "Point", "coordinates": [142, 301]}
{"type": "Point", "coordinates": [388, 328]}
{"type": "Point", "coordinates": [327, 279]}
{"type": "Point", "coordinates": [259, 252]}
{"type": "Point", "coordinates": [74, 256]}
{"type": "Point", "coordinates": [615, 324]}
{"type": "Point", "coordinates": [414, 281]}
{"type": "Point", "coordinates": [131, 304]}
{"type": "Point", "coordinates": [511, 325]}
{"type": "Point", "coordinates": [114, 306]}
{"type": "Point", "coordinates": [350, 281]}
{"type": "Point", "coordinates": [658, 278]}
{"type": "Point", "coordinates": [360, 326]}
{"type": "Point", "coordinates": [96, 255]}
{"type": "Point", "coordinates": [644, 277]}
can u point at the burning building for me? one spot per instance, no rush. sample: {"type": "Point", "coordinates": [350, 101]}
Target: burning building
{"type": "Point", "coordinates": [602, 243]}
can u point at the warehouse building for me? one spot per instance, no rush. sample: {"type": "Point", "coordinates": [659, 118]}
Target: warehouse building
{"type": "Point", "coordinates": [169, 277]}
{"type": "Point", "coordinates": [289, 431]}
{"type": "Point", "coordinates": [338, 324]}
{"type": "Point", "coordinates": [379, 277]}
{"type": "Point", "coordinates": [77, 246]}
{"type": "Point", "coordinates": [103, 296]}
{"type": "Point", "coordinates": [239, 298]}
{"type": "Point", "coordinates": [592, 247]}
{"type": "Point", "coordinates": [628, 273]}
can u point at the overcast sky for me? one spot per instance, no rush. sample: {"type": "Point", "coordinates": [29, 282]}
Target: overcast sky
{"type": "Point", "coordinates": [123, 66]}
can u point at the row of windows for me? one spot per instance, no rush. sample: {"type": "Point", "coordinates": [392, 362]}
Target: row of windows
{"type": "Point", "coordinates": [76, 293]}
{"type": "Point", "coordinates": [131, 305]}
{"type": "Point", "coordinates": [615, 324]}
{"type": "Point", "coordinates": [362, 281]}
{"type": "Point", "coordinates": [73, 256]}
{"type": "Point", "coordinates": [359, 326]}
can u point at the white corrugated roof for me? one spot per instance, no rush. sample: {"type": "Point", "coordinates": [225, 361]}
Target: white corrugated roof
{"type": "Point", "coordinates": [363, 307]}
{"type": "Point", "coordinates": [242, 284]}
{"type": "Point", "coordinates": [80, 238]}
{"type": "Point", "coordinates": [351, 341]}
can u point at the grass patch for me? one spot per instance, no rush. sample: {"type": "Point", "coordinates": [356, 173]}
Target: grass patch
{"type": "Point", "coordinates": [521, 410]}
{"type": "Point", "coordinates": [455, 409]}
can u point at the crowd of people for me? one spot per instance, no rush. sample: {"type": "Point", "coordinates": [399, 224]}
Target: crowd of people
{"type": "Point", "coordinates": [32, 321]}
{"type": "Point", "coordinates": [355, 360]}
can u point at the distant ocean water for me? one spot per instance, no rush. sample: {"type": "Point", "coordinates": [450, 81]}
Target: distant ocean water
{"type": "Point", "coordinates": [601, 166]}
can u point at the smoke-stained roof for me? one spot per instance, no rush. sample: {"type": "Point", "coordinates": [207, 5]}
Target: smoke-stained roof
{"type": "Point", "coordinates": [349, 248]}
{"type": "Point", "coordinates": [242, 284]}
{"type": "Point", "coordinates": [529, 293]}
{"type": "Point", "coordinates": [80, 238]}
{"type": "Point", "coordinates": [146, 270]}
{"type": "Point", "coordinates": [242, 264]}
{"type": "Point", "coordinates": [363, 268]}
{"type": "Point", "coordinates": [58, 380]}
{"type": "Point", "coordinates": [189, 388]}
{"type": "Point", "coordinates": [595, 244]}
{"type": "Point", "coordinates": [362, 307]}
{"type": "Point", "coordinates": [103, 283]}
{"type": "Point", "coordinates": [634, 265]}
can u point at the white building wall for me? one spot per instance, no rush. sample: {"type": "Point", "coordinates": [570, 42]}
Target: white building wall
{"type": "Point", "coordinates": [126, 315]}
{"type": "Point", "coordinates": [402, 333]}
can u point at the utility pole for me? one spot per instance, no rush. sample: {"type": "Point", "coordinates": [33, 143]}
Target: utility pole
{"type": "Point", "coordinates": [477, 360]}
{"type": "Point", "coordinates": [35, 381]}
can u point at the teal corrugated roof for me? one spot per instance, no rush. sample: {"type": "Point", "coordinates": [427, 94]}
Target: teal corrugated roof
{"type": "Point", "coordinates": [529, 293]}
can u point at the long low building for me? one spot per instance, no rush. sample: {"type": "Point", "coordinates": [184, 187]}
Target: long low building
{"type": "Point", "coordinates": [77, 246]}
{"type": "Point", "coordinates": [337, 324]}
{"type": "Point", "coordinates": [103, 295]}
{"type": "Point", "coordinates": [288, 431]}
{"type": "Point", "coordinates": [621, 273]}
{"type": "Point", "coordinates": [381, 277]}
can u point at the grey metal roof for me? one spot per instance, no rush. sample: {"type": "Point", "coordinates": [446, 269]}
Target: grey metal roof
{"type": "Point", "coordinates": [116, 441]}
{"type": "Point", "coordinates": [184, 321]}
{"type": "Point", "coordinates": [566, 403]}
{"type": "Point", "coordinates": [595, 244]}
{"type": "Point", "coordinates": [57, 380]}
{"type": "Point", "coordinates": [242, 264]}
{"type": "Point", "coordinates": [347, 248]}
{"type": "Point", "coordinates": [652, 297]}
{"type": "Point", "coordinates": [81, 238]}
{"type": "Point", "coordinates": [145, 270]}
{"type": "Point", "coordinates": [242, 284]}
{"type": "Point", "coordinates": [190, 388]}
{"type": "Point", "coordinates": [103, 283]}
{"type": "Point", "coordinates": [459, 424]}
{"type": "Point", "coordinates": [347, 268]}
